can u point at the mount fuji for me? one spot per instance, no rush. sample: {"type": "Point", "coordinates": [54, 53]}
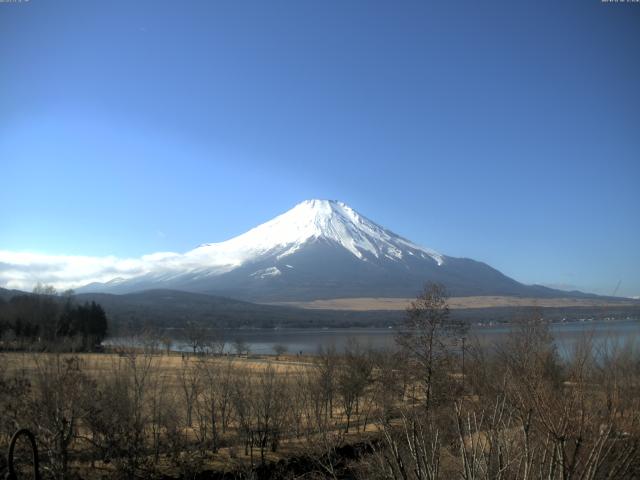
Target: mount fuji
{"type": "Point", "coordinates": [320, 249]}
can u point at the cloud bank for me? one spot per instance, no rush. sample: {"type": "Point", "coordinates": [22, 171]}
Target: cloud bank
{"type": "Point", "coordinates": [22, 271]}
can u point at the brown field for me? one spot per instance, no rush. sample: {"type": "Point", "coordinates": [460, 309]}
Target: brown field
{"type": "Point", "coordinates": [169, 366]}
{"type": "Point", "coordinates": [144, 414]}
{"type": "Point", "coordinates": [170, 370]}
{"type": "Point", "coordinates": [382, 303]}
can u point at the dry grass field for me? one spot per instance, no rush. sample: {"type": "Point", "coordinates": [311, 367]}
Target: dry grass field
{"type": "Point", "coordinates": [267, 401]}
{"type": "Point", "coordinates": [169, 365]}
{"type": "Point", "coordinates": [366, 304]}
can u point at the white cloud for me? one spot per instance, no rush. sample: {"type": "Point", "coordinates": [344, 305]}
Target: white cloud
{"type": "Point", "coordinates": [23, 270]}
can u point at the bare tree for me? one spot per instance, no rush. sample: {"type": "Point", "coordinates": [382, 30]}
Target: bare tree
{"type": "Point", "coordinates": [189, 381]}
{"type": "Point", "coordinates": [15, 392]}
{"type": "Point", "coordinates": [390, 378]}
{"type": "Point", "coordinates": [213, 404]}
{"type": "Point", "coordinates": [354, 375]}
{"type": "Point", "coordinates": [279, 350]}
{"type": "Point", "coordinates": [195, 335]}
{"type": "Point", "coordinates": [410, 450]}
{"type": "Point", "coordinates": [119, 413]}
{"type": "Point", "coordinates": [427, 337]}
{"type": "Point", "coordinates": [242, 392]}
{"type": "Point", "coordinates": [57, 407]}
{"type": "Point", "coordinates": [326, 363]}
{"type": "Point", "coordinates": [270, 404]}
{"type": "Point", "coordinates": [241, 347]}
{"type": "Point", "coordinates": [213, 342]}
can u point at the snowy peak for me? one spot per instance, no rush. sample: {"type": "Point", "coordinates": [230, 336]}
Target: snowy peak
{"type": "Point", "coordinates": [309, 221]}
{"type": "Point", "coordinates": [319, 248]}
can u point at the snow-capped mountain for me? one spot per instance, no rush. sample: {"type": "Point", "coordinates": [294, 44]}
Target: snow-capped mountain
{"type": "Point", "coordinates": [310, 221]}
{"type": "Point", "coordinates": [318, 249]}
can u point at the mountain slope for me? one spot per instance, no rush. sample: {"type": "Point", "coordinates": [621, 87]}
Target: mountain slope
{"type": "Point", "coordinates": [6, 294]}
{"type": "Point", "coordinates": [319, 249]}
{"type": "Point", "coordinates": [173, 308]}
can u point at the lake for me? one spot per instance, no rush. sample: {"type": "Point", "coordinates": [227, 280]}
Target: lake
{"type": "Point", "coordinates": [308, 341]}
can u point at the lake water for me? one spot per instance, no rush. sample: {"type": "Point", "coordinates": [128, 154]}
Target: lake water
{"type": "Point", "coordinates": [308, 341]}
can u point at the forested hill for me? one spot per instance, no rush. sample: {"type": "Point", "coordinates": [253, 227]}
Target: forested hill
{"type": "Point", "coordinates": [6, 295]}
{"type": "Point", "coordinates": [173, 308]}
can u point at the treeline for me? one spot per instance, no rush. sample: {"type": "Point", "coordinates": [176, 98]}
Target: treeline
{"type": "Point", "coordinates": [46, 319]}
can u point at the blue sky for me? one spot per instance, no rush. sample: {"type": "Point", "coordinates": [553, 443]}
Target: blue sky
{"type": "Point", "coordinates": [508, 132]}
